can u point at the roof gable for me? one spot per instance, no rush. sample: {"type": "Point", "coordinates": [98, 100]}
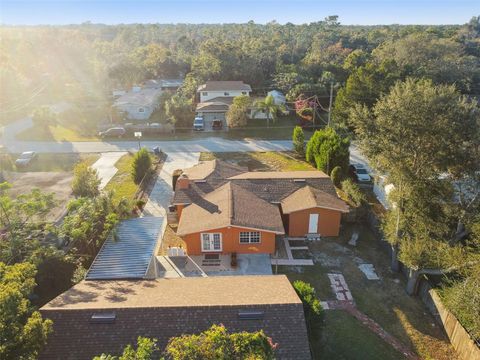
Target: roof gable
{"type": "Point", "coordinates": [308, 197]}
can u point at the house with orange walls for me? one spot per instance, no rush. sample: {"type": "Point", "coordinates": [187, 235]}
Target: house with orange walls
{"type": "Point", "coordinates": [223, 208]}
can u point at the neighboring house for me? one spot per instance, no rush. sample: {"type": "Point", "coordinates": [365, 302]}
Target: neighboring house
{"type": "Point", "coordinates": [129, 252]}
{"type": "Point", "coordinates": [96, 317]}
{"type": "Point", "coordinates": [278, 97]}
{"type": "Point", "coordinates": [223, 208]}
{"type": "Point", "coordinates": [138, 103]}
{"type": "Point", "coordinates": [214, 109]}
{"type": "Point", "coordinates": [216, 98]}
{"type": "Point", "coordinates": [214, 89]}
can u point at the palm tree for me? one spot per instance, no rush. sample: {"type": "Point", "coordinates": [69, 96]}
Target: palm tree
{"type": "Point", "coordinates": [269, 107]}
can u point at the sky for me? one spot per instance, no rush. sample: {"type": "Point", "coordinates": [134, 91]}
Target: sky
{"type": "Point", "coordinates": [363, 12]}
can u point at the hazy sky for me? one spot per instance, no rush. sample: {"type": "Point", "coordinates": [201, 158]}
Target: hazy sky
{"type": "Point", "coordinates": [227, 11]}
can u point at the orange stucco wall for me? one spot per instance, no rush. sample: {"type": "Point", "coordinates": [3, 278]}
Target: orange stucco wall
{"type": "Point", "coordinates": [231, 242]}
{"type": "Point", "coordinates": [328, 222]}
{"type": "Point", "coordinates": [179, 211]}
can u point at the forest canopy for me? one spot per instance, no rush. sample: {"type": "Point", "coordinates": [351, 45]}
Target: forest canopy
{"type": "Point", "coordinates": [84, 62]}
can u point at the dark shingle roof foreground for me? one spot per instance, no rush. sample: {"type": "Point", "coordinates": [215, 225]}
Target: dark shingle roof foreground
{"type": "Point", "coordinates": [164, 308]}
{"type": "Point", "coordinates": [128, 254]}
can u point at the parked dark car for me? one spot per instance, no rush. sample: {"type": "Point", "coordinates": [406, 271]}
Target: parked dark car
{"type": "Point", "coordinates": [217, 124]}
{"type": "Point", "coordinates": [112, 132]}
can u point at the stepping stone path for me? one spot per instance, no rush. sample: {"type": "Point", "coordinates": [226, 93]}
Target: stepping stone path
{"type": "Point", "coordinates": [340, 287]}
{"type": "Point", "coordinates": [369, 271]}
{"type": "Point", "coordinates": [353, 240]}
{"type": "Point", "coordinates": [345, 302]}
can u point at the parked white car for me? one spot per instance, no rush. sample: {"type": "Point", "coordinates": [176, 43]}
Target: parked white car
{"type": "Point", "coordinates": [361, 173]}
{"type": "Point", "coordinates": [25, 158]}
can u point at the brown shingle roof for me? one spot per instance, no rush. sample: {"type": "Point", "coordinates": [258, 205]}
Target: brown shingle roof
{"type": "Point", "coordinates": [212, 106]}
{"type": "Point", "coordinates": [271, 186]}
{"type": "Point", "coordinates": [165, 308]}
{"type": "Point", "coordinates": [224, 86]}
{"type": "Point", "coordinates": [184, 292]}
{"type": "Point", "coordinates": [250, 175]}
{"type": "Point", "coordinates": [309, 197]}
{"type": "Point", "coordinates": [230, 205]}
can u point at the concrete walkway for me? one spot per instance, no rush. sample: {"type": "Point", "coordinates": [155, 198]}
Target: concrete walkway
{"type": "Point", "coordinates": [105, 166]}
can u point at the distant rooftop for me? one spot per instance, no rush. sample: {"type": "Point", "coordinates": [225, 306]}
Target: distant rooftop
{"type": "Point", "coordinates": [142, 97]}
{"type": "Point", "coordinates": [181, 292]}
{"type": "Point", "coordinates": [128, 254]}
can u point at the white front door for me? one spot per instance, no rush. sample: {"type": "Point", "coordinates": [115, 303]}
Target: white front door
{"type": "Point", "coordinates": [211, 242]}
{"type": "Point", "coordinates": [313, 224]}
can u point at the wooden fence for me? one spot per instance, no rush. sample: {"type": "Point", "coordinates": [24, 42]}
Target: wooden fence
{"type": "Point", "coordinates": [463, 344]}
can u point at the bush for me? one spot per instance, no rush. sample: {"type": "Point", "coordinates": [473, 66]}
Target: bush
{"type": "Point", "coordinates": [141, 165]}
{"type": "Point", "coordinates": [298, 140]}
{"type": "Point", "coordinates": [85, 181]}
{"type": "Point", "coordinates": [217, 343]}
{"type": "Point", "coordinates": [237, 112]}
{"type": "Point", "coordinates": [140, 204]}
{"type": "Point", "coordinates": [326, 150]}
{"type": "Point", "coordinates": [353, 192]}
{"type": "Point", "coordinates": [336, 176]}
{"type": "Point", "coordinates": [311, 305]}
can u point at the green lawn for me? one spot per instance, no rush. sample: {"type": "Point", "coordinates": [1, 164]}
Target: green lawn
{"type": "Point", "coordinates": [344, 337]}
{"type": "Point", "coordinates": [385, 301]}
{"type": "Point", "coordinates": [280, 130]}
{"type": "Point", "coordinates": [270, 160]}
{"type": "Point", "coordinates": [122, 183]}
{"type": "Point", "coordinates": [55, 162]}
{"type": "Point", "coordinates": [54, 133]}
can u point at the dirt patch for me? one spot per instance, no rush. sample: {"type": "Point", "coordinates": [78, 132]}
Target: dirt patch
{"type": "Point", "coordinates": [170, 239]}
{"type": "Point", "coordinates": [58, 183]}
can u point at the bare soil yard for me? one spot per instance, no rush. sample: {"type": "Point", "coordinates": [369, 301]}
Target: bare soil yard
{"type": "Point", "coordinates": [58, 183]}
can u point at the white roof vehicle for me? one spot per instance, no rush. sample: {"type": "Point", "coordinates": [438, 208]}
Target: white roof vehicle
{"type": "Point", "coordinates": [25, 158]}
{"type": "Point", "coordinates": [362, 173]}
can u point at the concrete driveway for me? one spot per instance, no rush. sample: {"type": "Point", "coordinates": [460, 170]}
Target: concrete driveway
{"type": "Point", "coordinates": [105, 166]}
{"type": "Point", "coordinates": [162, 192]}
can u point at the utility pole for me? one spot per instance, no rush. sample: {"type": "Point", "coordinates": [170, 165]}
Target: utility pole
{"type": "Point", "coordinates": [330, 104]}
{"type": "Point", "coordinates": [314, 111]}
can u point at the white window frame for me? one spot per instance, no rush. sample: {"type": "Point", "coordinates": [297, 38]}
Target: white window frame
{"type": "Point", "coordinates": [251, 236]}
{"type": "Point", "coordinates": [204, 93]}
{"type": "Point", "coordinates": [210, 237]}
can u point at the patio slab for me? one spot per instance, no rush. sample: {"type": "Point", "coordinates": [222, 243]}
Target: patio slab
{"type": "Point", "coordinates": [247, 264]}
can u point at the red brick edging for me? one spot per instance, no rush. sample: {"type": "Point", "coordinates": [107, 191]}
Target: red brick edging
{"type": "Point", "coordinates": [349, 307]}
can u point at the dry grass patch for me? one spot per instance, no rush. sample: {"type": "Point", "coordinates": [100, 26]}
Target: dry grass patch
{"type": "Point", "coordinates": [262, 161]}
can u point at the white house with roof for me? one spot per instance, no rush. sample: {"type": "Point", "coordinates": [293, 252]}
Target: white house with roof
{"type": "Point", "coordinates": [215, 89]}
{"type": "Point", "coordinates": [138, 103]}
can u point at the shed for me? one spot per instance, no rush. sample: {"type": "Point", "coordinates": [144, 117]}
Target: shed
{"type": "Point", "coordinates": [129, 251]}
